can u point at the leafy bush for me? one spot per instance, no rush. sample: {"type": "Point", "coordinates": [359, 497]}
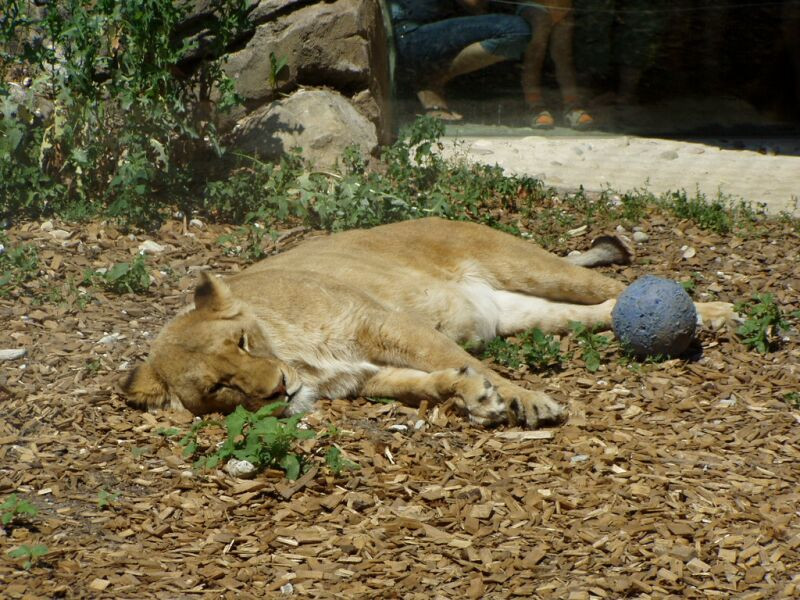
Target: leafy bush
{"type": "Point", "coordinates": [124, 278]}
{"type": "Point", "coordinates": [260, 438]}
{"type": "Point", "coordinates": [125, 123]}
{"type": "Point", "coordinates": [591, 345]}
{"type": "Point", "coordinates": [31, 554]}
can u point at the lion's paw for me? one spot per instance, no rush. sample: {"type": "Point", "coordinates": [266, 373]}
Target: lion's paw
{"type": "Point", "coordinates": [715, 315]}
{"type": "Point", "coordinates": [534, 409]}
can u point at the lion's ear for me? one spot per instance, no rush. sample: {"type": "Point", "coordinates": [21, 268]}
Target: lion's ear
{"type": "Point", "coordinates": [143, 388]}
{"type": "Point", "coordinates": [213, 294]}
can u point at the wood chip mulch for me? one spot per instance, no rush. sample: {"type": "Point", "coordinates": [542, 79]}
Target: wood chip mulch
{"type": "Point", "coordinates": [671, 480]}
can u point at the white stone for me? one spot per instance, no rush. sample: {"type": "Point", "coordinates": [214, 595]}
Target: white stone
{"type": "Point", "coordinates": [196, 223]}
{"type": "Point", "coordinates": [151, 247]}
{"type": "Point", "coordinates": [287, 588]}
{"type": "Point", "coordinates": [46, 226]}
{"type": "Point", "coordinates": [689, 252]}
{"type": "Point", "coordinates": [243, 469]}
{"type": "Point", "coordinates": [398, 427]}
{"type": "Point", "coordinates": [111, 338]}
{"type": "Point", "coordinates": [13, 353]}
{"type": "Point", "coordinates": [60, 234]}
{"type": "Point", "coordinates": [640, 236]}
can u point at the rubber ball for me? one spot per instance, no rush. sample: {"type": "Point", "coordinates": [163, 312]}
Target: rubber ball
{"type": "Point", "coordinates": [654, 317]}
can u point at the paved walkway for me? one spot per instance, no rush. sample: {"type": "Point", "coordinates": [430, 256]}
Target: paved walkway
{"type": "Point", "coordinates": [760, 171]}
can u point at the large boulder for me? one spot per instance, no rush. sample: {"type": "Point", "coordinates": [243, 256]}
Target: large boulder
{"type": "Point", "coordinates": [321, 122]}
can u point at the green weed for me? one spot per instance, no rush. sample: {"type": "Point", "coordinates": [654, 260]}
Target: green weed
{"type": "Point", "coordinates": [15, 508]}
{"type": "Point", "coordinates": [106, 498]}
{"type": "Point", "coordinates": [532, 347]}
{"type": "Point", "coordinates": [763, 323]}
{"type": "Point", "coordinates": [276, 65]}
{"type": "Point", "coordinates": [258, 437]}
{"type": "Point", "coordinates": [18, 264]}
{"type": "Point", "coordinates": [590, 344]}
{"type": "Point", "coordinates": [124, 278]}
{"type": "Point", "coordinates": [336, 462]}
{"type": "Point", "coordinates": [31, 554]}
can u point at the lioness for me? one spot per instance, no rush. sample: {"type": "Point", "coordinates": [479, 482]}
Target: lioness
{"type": "Point", "coordinates": [378, 312]}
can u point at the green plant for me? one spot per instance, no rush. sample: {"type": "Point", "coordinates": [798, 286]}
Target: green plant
{"type": "Point", "coordinates": [126, 278]}
{"type": "Point", "coordinates": [31, 554]}
{"type": "Point", "coordinates": [591, 345]}
{"type": "Point", "coordinates": [276, 65]}
{"type": "Point", "coordinates": [17, 265]}
{"type": "Point", "coordinates": [792, 399]}
{"type": "Point", "coordinates": [131, 98]}
{"type": "Point", "coordinates": [532, 347]}
{"type": "Point", "coordinates": [106, 498]}
{"type": "Point", "coordinates": [713, 215]}
{"type": "Point", "coordinates": [14, 508]}
{"type": "Point", "coordinates": [763, 323]}
{"type": "Point", "coordinates": [336, 461]}
{"type": "Point", "coordinates": [257, 437]}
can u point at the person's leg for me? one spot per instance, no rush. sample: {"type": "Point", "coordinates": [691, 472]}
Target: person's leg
{"type": "Point", "coordinates": [433, 54]}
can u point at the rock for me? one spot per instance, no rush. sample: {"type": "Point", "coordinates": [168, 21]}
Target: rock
{"type": "Point", "coordinates": [398, 427]}
{"type": "Point", "coordinates": [640, 236]}
{"type": "Point", "coordinates": [243, 469]}
{"type": "Point", "coordinates": [688, 252]}
{"type": "Point", "coordinates": [322, 123]}
{"type": "Point", "coordinates": [287, 588]}
{"type": "Point", "coordinates": [13, 353]}
{"type": "Point", "coordinates": [60, 234]}
{"type": "Point", "coordinates": [46, 226]}
{"type": "Point", "coordinates": [151, 247]}
{"type": "Point", "coordinates": [196, 223]}
{"type": "Point", "coordinates": [111, 338]}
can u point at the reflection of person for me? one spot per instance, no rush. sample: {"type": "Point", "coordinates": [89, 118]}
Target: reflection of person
{"type": "Point", "coordinates": [436, 42]}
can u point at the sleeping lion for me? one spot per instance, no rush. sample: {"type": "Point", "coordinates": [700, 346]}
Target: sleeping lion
{"type": "Point", "coordinates": [379, 312]}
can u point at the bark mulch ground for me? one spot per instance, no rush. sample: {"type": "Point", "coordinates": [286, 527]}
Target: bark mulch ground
{"type": "Point", "coordinates": [670, 480]}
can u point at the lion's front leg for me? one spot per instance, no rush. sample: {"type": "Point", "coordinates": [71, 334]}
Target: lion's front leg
{"type": "Point", "coordinates": [474, 394]}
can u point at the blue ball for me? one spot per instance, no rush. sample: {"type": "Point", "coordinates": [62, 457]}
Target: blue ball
{"type": "Point", "coordinates": [654, 316]}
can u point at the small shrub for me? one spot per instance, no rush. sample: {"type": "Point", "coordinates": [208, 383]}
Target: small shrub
{"type": "Point", "coordinates": [106, 498]}
{"type": "Point", "coordinates": [258, 437]}
{"type": "Point", "coordinates": [714, 216]}
{"type": "Point", "coordinates": [763, 323]}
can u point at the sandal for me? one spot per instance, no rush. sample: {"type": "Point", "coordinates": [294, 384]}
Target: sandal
{"type": "Point", "coordinates": [543, 120]}
{"type": "Point", "coordinates": [579, 119]}
{"type": "Point", "coordinates": [442, 113]}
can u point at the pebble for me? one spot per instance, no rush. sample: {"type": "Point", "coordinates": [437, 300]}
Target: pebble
{"type": "Point", "coordinates": [621, 230]}
{"type": "Point", "coordinates": [60, 234]}
{"type": "Point", "coordinates": [242, 469]}
{"type": "Point", "coordinates": [287, 588]}
{"type": "Point", "coordinates": [46, 226]}
{"type": "Point", "coordinates": [640, 236]}
{"type": "Point", "coordinates": [420, 424]}
{"type": "Point", "coordinates": [398, 427]}
{"type": "Point", "coordinates": [689, 252]}
{"type": "Point", "coordinates": [13, 353]}
{"type": "Point", "coordinates": [579, 458]}
{"type": "Point", "coordinates": [150, 247]}
{"type": "Point", "coordinates": [109, 339]}
{"type": "Point", "coordinates": [196, 223]}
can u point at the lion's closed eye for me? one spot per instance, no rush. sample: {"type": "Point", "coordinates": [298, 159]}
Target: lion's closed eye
{"type": "Point", "coordinates": [244, 343]}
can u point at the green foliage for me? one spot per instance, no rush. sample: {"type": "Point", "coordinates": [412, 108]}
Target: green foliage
{"type": "Point", "coordinates": [763, 323]}
{"type": "Point", "coordinates": [126, 122]}
{"type": "Point", "coordinates": [124, 278]}
{"type": "Point", "coordinates": [715, 215]}
{"type": "Point", "coordinates": [17, 265]}
{"type": "Point", "coordinates": [591, 345]}
{"type": "Point", "coordinates": [532, 347]}
{"type": "Point", "coordinates": [276, 65]}
{"type": "Point", "coordinates": [106, 498]}
{"type": "Point", "coordinates": [14, 508]}
{"type": "Point", "coordinates": [31, 554]}
{"type": "Point", "coordinates": [792, 399]}
{"type": "Point", "coordinates": [258, 437]}
{"type": "Point", "coordinates": [336, 461]}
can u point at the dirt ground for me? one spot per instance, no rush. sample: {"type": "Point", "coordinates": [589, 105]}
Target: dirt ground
{"type": "Point", "coordinates": [670, 480]}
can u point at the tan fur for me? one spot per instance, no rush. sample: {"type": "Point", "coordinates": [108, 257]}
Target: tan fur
{"type": "Point", "coordinates": [377, 312]}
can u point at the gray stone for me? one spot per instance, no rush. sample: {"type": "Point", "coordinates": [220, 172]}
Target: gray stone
{"type": "Point", "coordinates": [151, 247]}
{"type": "Point", "coordinates": [640, 236]}
{"type": "Point", "coordinates": [242, 469]}
{"type": "Point", "coordinates": [322, 123]}
{"type": "Point", "coordinates": [13, 353]}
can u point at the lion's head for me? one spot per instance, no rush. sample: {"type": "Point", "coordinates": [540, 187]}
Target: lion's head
{"type": "Point", "coordinates": [211, 359]}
